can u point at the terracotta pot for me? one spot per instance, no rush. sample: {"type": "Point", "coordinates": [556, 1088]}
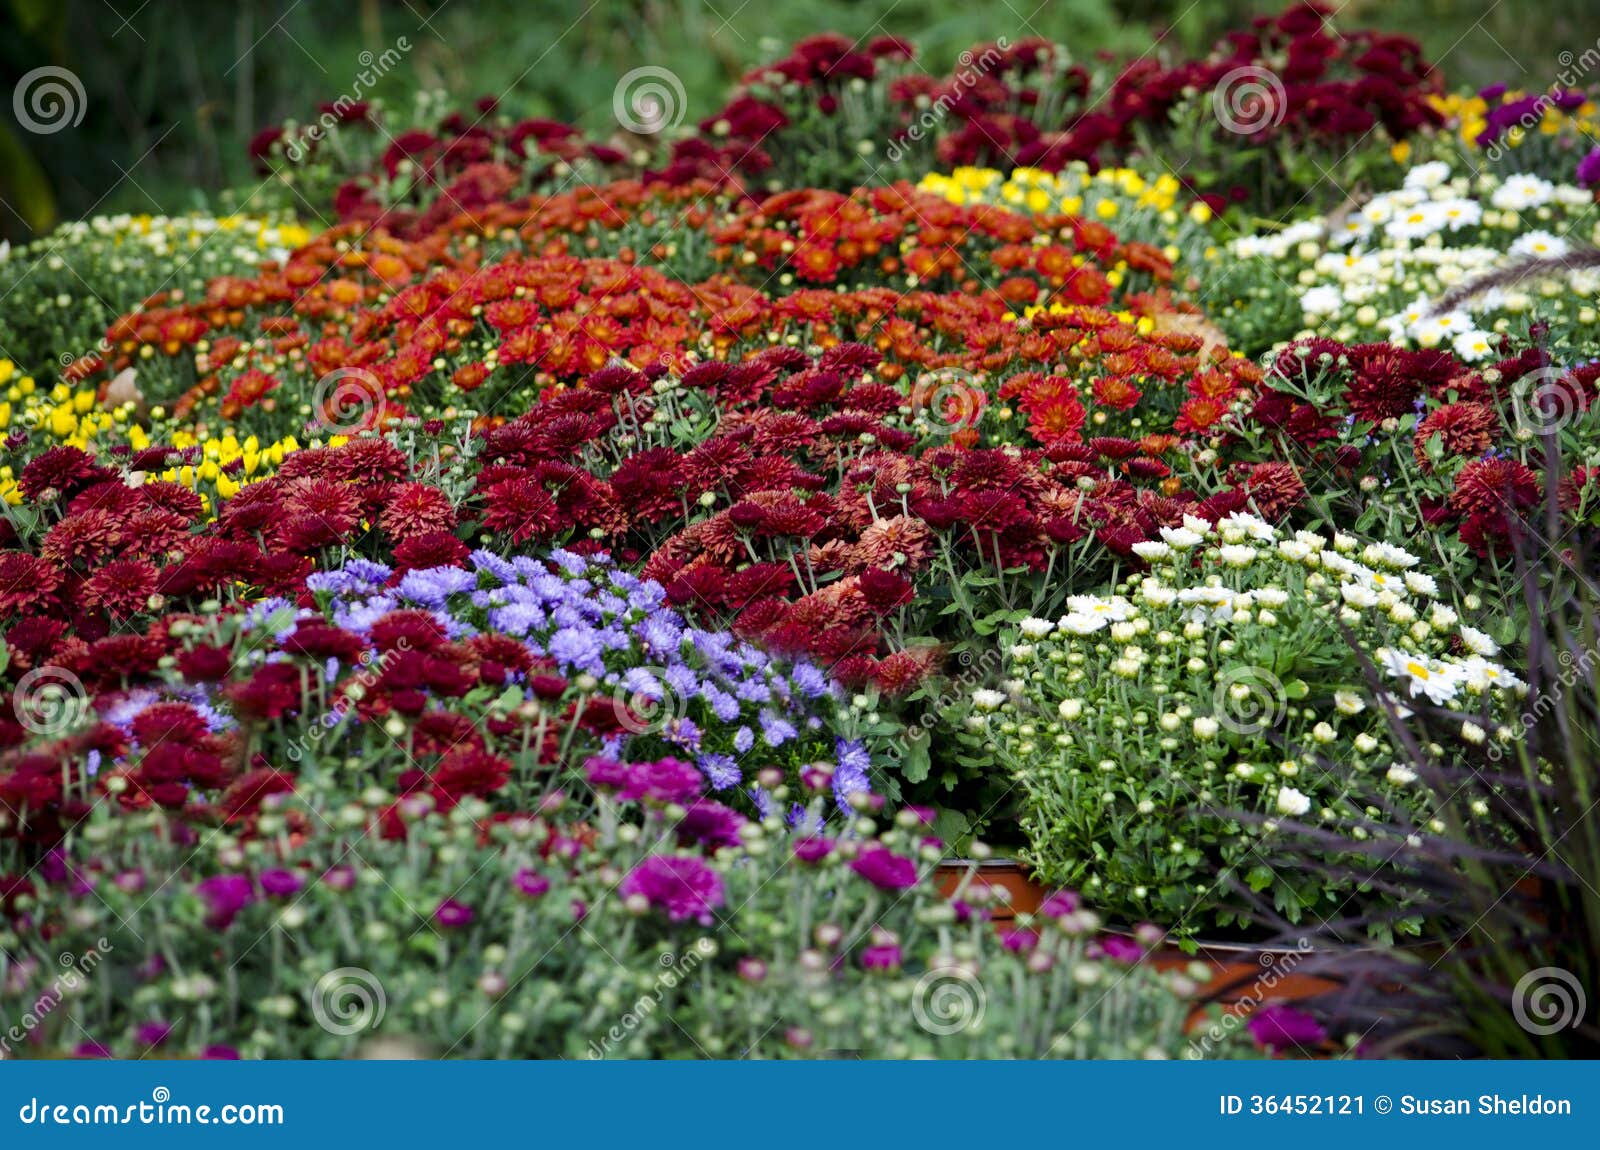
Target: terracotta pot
{"type": "Point", "coordinates": [1022, 895]}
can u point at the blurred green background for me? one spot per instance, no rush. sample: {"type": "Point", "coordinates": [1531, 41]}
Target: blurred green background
{"type": "Point", "coordinates": [174, 89]}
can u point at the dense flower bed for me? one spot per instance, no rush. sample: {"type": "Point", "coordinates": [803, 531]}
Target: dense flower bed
{"type": "Point", "coordinates": [524, 596]}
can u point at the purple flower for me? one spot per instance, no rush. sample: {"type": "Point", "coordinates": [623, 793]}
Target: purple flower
{"type": "Point", "coordinates": [775, 729]}
{"type": "Point", "coordinates": [721, 770]}
{"type": "Point", "coordinates": [91, 1049]}
{"type": "Point", "coordinates": [607, 773]}
{"type": "Point", "coordinates": [850, 776]}
{"type": "Point", "coordinates": [681, 886]}
{"type": "Point", "coordinates": [812, 849]}
{"type": "Point", "coordinates": [885, 956]}
{"type": "Point", "coordinates": [220, 1054]}
{"type": "Point", "coordinates": [1018, 940]}
{"type": "Point", "coordinates": [1120, 949]}
{"type": "Point", "coordinates": [575, 648]}
{"type": "Point", "coordinates": [225, 896]}
{"type": "Point", "coordinates": [1276, 1027]}
{"type": "Point", "coordinates": [1060, 903]}
{"type": "Point", "coordinates": [709, 824]}
{"type": "Point", "coordinates": [280, 883]}
{"type": "Point", "coordinates": [683, 732]}
{"type": "Point", "coordinates": [152, 1033]}
{"type": "Point", "coordinates": [885, 870]}
{"type": "Point", "coordinates": [451, 914]}
{"type": "Point", "coordinates": [663, 781]}
{"type": "Point", "coordinates": [1589, 169]}
{"type": "Point", "coordinates": [529, 883]}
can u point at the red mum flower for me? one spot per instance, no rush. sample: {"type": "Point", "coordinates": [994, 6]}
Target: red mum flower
{"type": "Point", "coordinates": [1493, 485]}
{"type": "Point", "coordinates": [413, 509]}
{"type": "Point", "coordinates": [1274, 488]}
{"type": "Point", "coordinates": [520, 509]}
{"type": "Point", "coordinates": [468, 771]}
{"type": "Point", "coordinates": [1463, 429]}
{"type": "Point", "coordinates": [60, 473]}
{"type": "Point", "coordinates": [435, 549]}
{"type": "Point", "coordinates": [25, 581]}
{"type": "Point", "coordinates": [1384, 388]}
{"type": "Point", "coordinates": [121, 588]}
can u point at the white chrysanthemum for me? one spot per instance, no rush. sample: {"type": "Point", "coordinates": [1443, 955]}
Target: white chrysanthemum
{"type": "Point", "coordinates": [1348, 702]}
{"type": "Point", "coordinates": [1151, 550]}
{"type": "Point", "coordinates": [986, 699]}
{"type": "Point", "coordinates": [1076, 624]}
{"type": "Point", "coordinates": [1358, 595]}
{"type": "Point", "coordinates": [1156, 594]}
{"type": "Point", "coordinates": [1237, 554]}
{"type": "Point", "coordinates": [1479, 674]}
{"type": "Point", "coordinates": [1479, 643]}
{"type": "Point", "coordinates": [1035, 628]}
{"type": "Point", "coordinates": [1400, 775]}
{"type": "Point", "coordinates": [1521, 192]}
{"type": "Point", "coordinates": [1114, 609]}
{"type": "Point", "coordinates": [1440, 682]}
{"type": "Point", "coordinates": [1427, 176]}
{"type": "Point", "coordinates": [1292, 802]}
{"type": "Point", "coordinates": [1251, 526]}
{"type": "Point", "coordinates": [1181, 538]}
{"type": "Point", "coordinates": [1321, 301]}
{"type": "Point", "coordinates": [1540, 243]}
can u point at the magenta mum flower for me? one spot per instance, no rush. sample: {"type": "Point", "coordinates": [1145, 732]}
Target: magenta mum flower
{"type": "Point", "coordinates": [885, 956]}
{"type": "Point", "coordinates": [813, 849]}
{"type": "Point", "coordinates": [152, 1033]}
{"type": "Point", "coordinates": [885, 870]}
{"type": "Point", "coordinates": [663, 781]}
{"type": "Point", "coordinates": [225, 896]}
{"type": "Point", "coordinates": [709, 824]}
{"type": "Point", "coordinates": [1277, 1027]}
{"type": "Point", "coordinates": [280, 883]}
{"type": "Point", "coordinates": [1121, 949]}
{"type": "Point", "coordinates": [529, 883]}
{"type": "Point", "coordinates": [451, 913]}
{"type": "Point", "coordinates": [679, 885]}
{"type": "Point", "coordinates": [1589, 169]}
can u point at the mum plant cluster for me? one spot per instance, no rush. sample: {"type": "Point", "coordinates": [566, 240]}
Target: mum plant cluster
{"type": "Point", "coordinates": [576, 597]}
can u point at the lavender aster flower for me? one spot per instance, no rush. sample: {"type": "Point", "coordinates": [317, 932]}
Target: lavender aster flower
{"type": "Point", "coordinates": [721, 770]}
